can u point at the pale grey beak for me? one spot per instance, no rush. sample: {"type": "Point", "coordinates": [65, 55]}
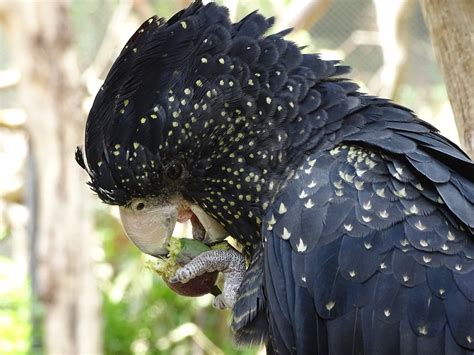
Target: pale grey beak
{"type": "Point", "coordinates": [214, 231]}
{"type": "Point", "coordinates": [151, 229]}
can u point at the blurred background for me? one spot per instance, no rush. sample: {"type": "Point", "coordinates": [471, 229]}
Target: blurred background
{"type": "Point", "coordinates": [70, 281]}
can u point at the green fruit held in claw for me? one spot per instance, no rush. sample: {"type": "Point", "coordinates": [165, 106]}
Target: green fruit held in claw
{"type": "Point", "coordinates": [181, 252]}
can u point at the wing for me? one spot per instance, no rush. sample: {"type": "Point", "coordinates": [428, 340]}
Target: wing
{"type": "Point", "coordinates": [369, 250]}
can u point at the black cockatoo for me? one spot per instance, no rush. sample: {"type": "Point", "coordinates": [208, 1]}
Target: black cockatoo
{"type": "Point", "coordinates": [356, 217]}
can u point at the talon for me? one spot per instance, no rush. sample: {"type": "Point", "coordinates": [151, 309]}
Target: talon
{"type": "Point", "coordinates": [219, 302]}
{"type": "Point", "coordinates": [174, 279]}
{"type": "Point", "coordinates": [182, 275]}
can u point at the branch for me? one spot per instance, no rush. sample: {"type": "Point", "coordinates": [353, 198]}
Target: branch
{"type": "Point", "coordinates": [451, 27]}
{"type": "Point", "coordinates": [392, 21]}
{"type": "Point", "coordinates": [302, 15]}
{"type": "Point", "coordinates": [359, 38]}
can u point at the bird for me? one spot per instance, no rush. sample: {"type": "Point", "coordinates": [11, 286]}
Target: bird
{"type": "Point", "coordinates": [355, 217]}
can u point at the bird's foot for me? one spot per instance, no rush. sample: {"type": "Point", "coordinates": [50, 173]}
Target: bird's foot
{"type": "Point", "coordinates": [230, 262]}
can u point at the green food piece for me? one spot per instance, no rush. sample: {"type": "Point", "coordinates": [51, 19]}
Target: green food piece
{"type": "Point", "coordinates": [221, 246]}
{"type": "Point", "coordinates": [180, 252]}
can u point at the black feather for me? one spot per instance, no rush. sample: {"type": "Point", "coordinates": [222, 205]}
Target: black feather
{"type": "Point", "coordinates": [356, 216]}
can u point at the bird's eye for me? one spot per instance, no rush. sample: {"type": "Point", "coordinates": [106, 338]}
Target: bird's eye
{"type": "Point", "coordinates": [174, 171]}
{"type": "Point", "coordinates": [138, 205]}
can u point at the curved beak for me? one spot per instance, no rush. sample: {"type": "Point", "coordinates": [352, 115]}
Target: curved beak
{"type": "Point", "coordinates": [150, 230]}
{"type": "Point", "coordinates": [214, 230]}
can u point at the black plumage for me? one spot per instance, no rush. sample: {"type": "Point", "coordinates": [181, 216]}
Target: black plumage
{"type": "Point", "coordinates": [357, 217]}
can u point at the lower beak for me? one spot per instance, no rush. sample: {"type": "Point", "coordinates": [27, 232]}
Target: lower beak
{"type": "Point", "coordinates": [214, 232]}
{"type": "Point", "coordinates": [150, 231]}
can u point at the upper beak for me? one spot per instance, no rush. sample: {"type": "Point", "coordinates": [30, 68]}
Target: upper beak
{"type": "Point", "coordinates": [150, 231]}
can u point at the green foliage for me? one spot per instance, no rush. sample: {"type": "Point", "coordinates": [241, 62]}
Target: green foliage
{"type": "Point", "coordinates": [143, 316]}
{"type": "Point", "coordinates": [15, 326]}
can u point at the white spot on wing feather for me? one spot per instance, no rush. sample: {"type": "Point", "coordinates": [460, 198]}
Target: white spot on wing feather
{"type": "Point", "coordinates": [414, 209]}
{"type": "Point", "coordinates": [301, 247]}
{"type": "Point", "coordinates": [420, 226]}
{"type": "Point", "coordinates": [348, 227]}
{"type": "Point", "coordinates": [359, 185]}
{"type": "Point", "coordinates": [309, 204]}
{"type": "Point", "coordinates": [282, 209]}
{"type": "Point", "coordinates": [330, 305]}
{"type": "Point", "coordinates": [451, 236]}
{"type": "Point", "coordinates": [286, 234]}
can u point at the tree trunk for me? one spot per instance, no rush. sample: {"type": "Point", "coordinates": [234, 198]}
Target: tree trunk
{"type": "Point", "coordinates": [451, 27]}
{"type": "Point", "coordinates": [40, 38]}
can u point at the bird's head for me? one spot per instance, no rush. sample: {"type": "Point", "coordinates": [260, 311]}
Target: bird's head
{"type": "Point", "coordinates": [179, 128]}
{"type": "Point", "coordinates": [205, 119]}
